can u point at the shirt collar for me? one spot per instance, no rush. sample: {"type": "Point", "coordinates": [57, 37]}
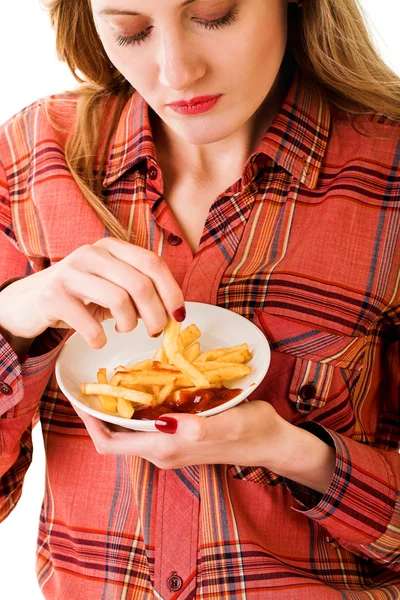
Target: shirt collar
{"type": "Point", "coordinates": [298, 136]}
{"type": "Point", "coordinates": [132, 141]}
{"type": "Point", "coordinates": [296, 139]}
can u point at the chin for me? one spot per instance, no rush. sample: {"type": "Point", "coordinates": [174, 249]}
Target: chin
{"type": "Point", "coordinates": [202, 135]}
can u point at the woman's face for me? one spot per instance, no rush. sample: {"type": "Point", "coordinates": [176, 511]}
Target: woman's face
{"type": "Point", "coordinates": [172, 51]}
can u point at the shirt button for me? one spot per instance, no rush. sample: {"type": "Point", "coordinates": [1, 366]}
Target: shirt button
{"type": "Point", "coordinates": [5, 389]}
{"type": "Point", "coordinates": [174, 582]}
{"type": "Point", "coordinates": [331, 541]}
{"type": "Point", "coordinates": [153, 173]}
{"type": "Point", "coordinates": [308, 391]}
{"type": "Point", "coordinates": [174, 240]}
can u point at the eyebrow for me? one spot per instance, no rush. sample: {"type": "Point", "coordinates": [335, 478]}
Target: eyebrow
{"type": "Point", "coordinates": [117, 11]}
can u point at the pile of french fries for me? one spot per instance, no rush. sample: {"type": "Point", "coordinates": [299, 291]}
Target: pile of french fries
{"type": "Point", "coordinates": [177, 366]}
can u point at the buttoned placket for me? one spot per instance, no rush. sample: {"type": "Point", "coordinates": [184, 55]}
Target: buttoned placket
{"type": "Point", "coordinates": [178, 510]}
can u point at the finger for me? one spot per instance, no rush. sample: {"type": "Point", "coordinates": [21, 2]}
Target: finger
{"type": "Point", "coordinates": [111, 439]}
{"type": "Point", "coordinates": [140, 288]}
{"type": "Point", "coordinates": [229, 425]}
{"type": "Point", "coordinates": [104, 293]}
{"type": "Point", "coordinates": [149, 264]}
{"type": "Point", "coordinates": [72, 312]}
{"type": "Point", "coordinates": [95, 427]}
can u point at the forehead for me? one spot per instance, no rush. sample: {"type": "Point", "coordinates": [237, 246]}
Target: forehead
{"type": "Point", "coordinates": [137, 7]}
{"type": "Point", "coordinates": [112, 7]}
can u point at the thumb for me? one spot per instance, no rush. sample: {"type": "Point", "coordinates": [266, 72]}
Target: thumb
{"type": "Point", "coordinates": [194, 428]}
{"type": "Point", "coordinates": [188, 427]}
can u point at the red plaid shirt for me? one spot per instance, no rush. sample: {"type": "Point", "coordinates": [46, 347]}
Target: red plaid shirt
{"type": "Point", "coordinates": [306, 244]}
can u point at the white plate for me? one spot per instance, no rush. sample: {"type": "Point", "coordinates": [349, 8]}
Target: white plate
{"type": "Point", "coordinates": [78, 362]}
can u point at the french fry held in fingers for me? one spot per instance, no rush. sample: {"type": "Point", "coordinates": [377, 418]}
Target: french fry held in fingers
{"type": "Point", "coordinates": [173, 349]}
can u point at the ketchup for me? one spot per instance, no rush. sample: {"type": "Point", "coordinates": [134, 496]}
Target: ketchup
{"type": "Point", "coordinates": [190, 402]}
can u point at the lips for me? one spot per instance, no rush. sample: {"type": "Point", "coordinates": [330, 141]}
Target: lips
{"type": "Point", "coordinates": [194, 101]}
{"type": "Point", "coordinates": [195, 106]}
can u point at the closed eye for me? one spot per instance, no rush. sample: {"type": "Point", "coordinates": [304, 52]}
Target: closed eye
{"type": "Point", "coordinates": [131, 40]}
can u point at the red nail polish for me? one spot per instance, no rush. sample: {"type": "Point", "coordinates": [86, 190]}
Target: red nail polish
{"type": "Point", "coordinates": [157, 335]}
{"type": "Point", "coordinates": [166, 424]}
{"type": "Point", "coordinates": [180, 314]}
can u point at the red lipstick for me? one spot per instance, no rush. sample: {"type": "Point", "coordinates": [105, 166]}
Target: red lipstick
{"type": "Point", "coordinates": [195, 106]}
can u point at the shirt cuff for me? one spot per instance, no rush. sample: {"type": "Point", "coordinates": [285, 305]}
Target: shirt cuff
{"type": "Point", "coordinates": [11, 383]}
{"type": "Point", "coordinates": [360, 500]}
{"type": "Point", "coordinates": [36, 366]}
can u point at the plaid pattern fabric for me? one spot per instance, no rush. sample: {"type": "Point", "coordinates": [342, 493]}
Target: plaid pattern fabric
{"type": "Point", "coordinates": [305, 244]}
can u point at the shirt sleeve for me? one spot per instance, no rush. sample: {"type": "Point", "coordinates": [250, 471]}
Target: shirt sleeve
{"type": "Point", "coordinates": [21, 388]}
{"type": "Point", "coordinates": [361, 507]}
{"type": "Point", "coordinates": [21, 385]}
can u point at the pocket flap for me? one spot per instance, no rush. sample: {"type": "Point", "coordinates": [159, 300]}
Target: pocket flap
{"type": "Point", "coordinates": [326, 364]}
{"type": "Point", "coordinates": [307, 342]}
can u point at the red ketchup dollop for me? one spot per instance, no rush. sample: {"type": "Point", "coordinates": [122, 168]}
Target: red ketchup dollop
{"type": "Point", "coordinates": [189, 402]}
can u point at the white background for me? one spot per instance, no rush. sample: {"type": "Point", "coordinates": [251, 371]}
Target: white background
{"type": "Point", "coordinates": [30, 70]}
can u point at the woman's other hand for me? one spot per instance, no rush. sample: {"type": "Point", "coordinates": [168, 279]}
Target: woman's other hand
{"type": "Point", "coordinates": [251, 434]}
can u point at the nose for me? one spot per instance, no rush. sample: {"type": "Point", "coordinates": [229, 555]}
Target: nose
{"type": "Point", "coordinates": [180, 65]}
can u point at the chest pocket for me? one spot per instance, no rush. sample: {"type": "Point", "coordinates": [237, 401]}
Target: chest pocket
{"type": "Point", "coordinates": [313, 376]}
{"type": "Point", "coordinates": [324, 369]}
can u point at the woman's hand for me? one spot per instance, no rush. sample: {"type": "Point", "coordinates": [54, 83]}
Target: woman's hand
{"type": "Point", "coordinates": [110, 278]}
{"type": "Point", "coordinates": [251, 434]}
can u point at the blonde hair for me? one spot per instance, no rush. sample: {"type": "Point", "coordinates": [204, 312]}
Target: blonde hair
{"type": "Point", "coordinates": [328, 39]}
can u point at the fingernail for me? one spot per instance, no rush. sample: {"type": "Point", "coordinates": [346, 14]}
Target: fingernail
{"type": "Point", "coordinates": [156, 335]}
{"type": "Point", "coordinates": [180, 314]}
{"type": "Point", "coordinates": [166, 424]}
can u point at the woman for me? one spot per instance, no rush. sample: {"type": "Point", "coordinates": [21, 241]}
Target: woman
{"type": "Point", "coordinates": [235, 152]}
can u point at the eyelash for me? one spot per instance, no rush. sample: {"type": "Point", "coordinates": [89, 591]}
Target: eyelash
{"type": "Point", "coordinates": [139, 38]}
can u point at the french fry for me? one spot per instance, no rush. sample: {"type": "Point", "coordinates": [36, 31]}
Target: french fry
{"type": "Point", "coordinates": [178, 394]}
{"type": "Point", "coordinates": [153, 377]}
{"type": "Point", "coordinates": [146, 389]}
{"type": "Point", "coordinates": [227, 373]}
{"type": "Point", "coordinates": [108, 403]}
{"type": "Point", "coordinates": [118, 392]}
{"type": "Point", "coordinates": [192, 352]}
{"type": "Point", "coordinates": [166, 391]}
{"type": "Point", "coordinates": [156, 389]}
{"type": "Point", "coordinates": [164, 366]}
{"type": "Point", "coordinates": [163, 377]}
{"type": "Point", "coordinates": [125, 408]}
{"type": "Point", "coordinates": [160, 355]}
{"type": "Point", "coordinates": [147, 367]}
{"type": "Point", "coordinates": [241, 356]}
{"type": "Point", "coordinates": [121, 368]}
{"type": "Point", "coordinates": [214, 354]}
{"type": "Point", "coordinates": [210, 365]}
{"type": "Point", "coordinates": [143, 364]}
{"type": "Point", "coordinates": [173, 349]}
{"type": "Point", "coordinates": [117, 378]}
{"type": "Point", "coordinates": [189, 335]}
